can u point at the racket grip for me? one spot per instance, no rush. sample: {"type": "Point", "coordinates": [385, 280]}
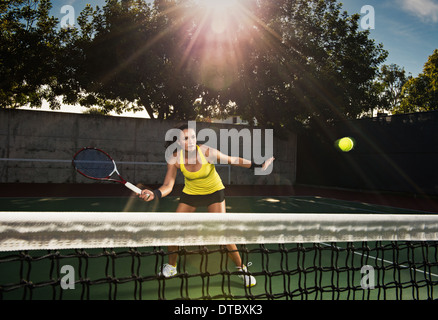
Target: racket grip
{"type": "Point", "coordinates": [133, 188]}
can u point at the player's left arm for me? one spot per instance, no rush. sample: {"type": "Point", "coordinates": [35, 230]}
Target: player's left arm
{"type": "Point", "coordinates": [219, 157]}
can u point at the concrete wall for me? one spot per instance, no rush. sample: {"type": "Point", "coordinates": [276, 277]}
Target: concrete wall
{"type": "Point", "coordinates": [28, 137]}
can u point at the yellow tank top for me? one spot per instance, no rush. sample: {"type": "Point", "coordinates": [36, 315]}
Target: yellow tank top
{"type": "Point", "coordinates": [204, 181]}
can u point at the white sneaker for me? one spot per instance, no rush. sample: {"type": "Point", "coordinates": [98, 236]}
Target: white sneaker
{"type": "Point", "coordinates": [168, 271]}
{"type": "Point", "coordinates": [248, 280]}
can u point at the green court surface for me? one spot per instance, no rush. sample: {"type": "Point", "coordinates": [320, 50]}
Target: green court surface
{"type": "Point", "coordinates": [289, 271]}
{"type": "Point", "coordinates": [271, 204]}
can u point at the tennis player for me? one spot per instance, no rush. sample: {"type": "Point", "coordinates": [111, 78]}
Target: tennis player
{"type": "Point", "coordinates": [202, 187]}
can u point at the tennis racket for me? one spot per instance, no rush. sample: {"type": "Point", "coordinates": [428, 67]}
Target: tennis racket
{"type": "Point", "coordinates": [96, 164]}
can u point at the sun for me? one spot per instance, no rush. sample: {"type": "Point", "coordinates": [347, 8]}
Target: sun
{"type": "Point", "coordinates": [216, 48]}
{"type": "Point", "coordinates": [219, 12]}
{"type": "Point", "coordinates": [219, 4]}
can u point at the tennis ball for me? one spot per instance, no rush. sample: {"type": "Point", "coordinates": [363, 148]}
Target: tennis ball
{"type": "Point", "coordinates": [345, 144]}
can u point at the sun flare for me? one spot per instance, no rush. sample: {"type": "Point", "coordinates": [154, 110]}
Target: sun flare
{"type": "Point", "coordinates": [222, 30]}
{"type": "Point", "coordinates": [219, 4]}
{"type": "Point", "coordinates": [219, 11]}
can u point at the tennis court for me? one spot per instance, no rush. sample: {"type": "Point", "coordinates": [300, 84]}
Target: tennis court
{"type": "Point", "coordinates": [247, 204]}
{"type": "Point", "coordinates": [322, 270]}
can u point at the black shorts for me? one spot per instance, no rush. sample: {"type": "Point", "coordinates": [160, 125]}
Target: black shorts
{"type": "Point", "coordinates": [202, 200]}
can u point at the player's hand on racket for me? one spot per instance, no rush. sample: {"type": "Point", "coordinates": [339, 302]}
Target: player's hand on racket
{"type": "Point", "coordinates": [146, 195]}
{"type": "Point", "coordinates": [267, 163]}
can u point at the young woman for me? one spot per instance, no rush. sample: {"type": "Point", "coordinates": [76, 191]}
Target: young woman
{"type": "Point", "coordinates": [202, 187]}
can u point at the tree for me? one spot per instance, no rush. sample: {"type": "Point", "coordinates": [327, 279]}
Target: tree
{"type": "Point", "coordinates": [29, 46]}
{"type": "Point", "coordinates": [280, 62]}
{"type": "Point", "coordinates": [125, 58]}
{"type": "Point", "coordinates": [421, 93]}
{"type": "Point", "coordinates": [284, 62]}
{"type": "Point", "coordinates": [304, 61]}
{"type": "Point", "coordinates": [391, 80]}
{"type": "Point", "coordinates": [107, 61]}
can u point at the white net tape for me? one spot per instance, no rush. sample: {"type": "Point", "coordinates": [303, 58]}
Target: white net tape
{"type": "Point", "coordinates": [63, 230]}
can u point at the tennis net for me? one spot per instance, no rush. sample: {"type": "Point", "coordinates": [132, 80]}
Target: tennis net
{"type": "Point", "coordinates": [86, 255]}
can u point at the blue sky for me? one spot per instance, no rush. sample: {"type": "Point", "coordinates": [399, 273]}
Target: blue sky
{"type": "Point", "coordinates": [408, 29]}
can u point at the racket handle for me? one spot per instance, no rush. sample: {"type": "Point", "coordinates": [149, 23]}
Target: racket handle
{"type": "Point", "coordinates": [133, 188]}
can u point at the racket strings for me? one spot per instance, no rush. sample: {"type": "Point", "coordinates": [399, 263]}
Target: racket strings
{"type": "Point", "coordinates": [94, 163]}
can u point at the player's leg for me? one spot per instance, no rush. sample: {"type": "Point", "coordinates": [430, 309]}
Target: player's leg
{"type": "Point", "coordinates": [219, 207]}
{"type": "Point", "coordinates": [169, 269]}
{"type": "Point", "coordinates": [234, 254]}
{"type": "Point", "coordinates": [182, 207]}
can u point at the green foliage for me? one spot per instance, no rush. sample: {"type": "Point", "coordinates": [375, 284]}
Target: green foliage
{"type": "Point", "coordinates": [283, 63]}
{"type": "Point", "coordinates": [310, 62]}
{"type": "Point", "coordinates": [421, 93]}
{"type": "Point", "coordinates": [29, 46]}
{"type": "Point", "coordinates": [391, 80]}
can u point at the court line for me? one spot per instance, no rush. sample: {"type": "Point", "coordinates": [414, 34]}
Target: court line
{"type": "Point", "coordinates": [372, 257]}
{"type": "Point", "coordinates": [386, 261]}
{"type": "Point", "coordinates": [338, 205]}
{"type": "Point", "coordinates": [411, 211]}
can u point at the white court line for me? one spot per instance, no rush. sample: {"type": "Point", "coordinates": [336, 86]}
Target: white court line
{"type": "Point", "coordinates": [337, 205]}
{"type": "Point", "coordinates": [358, 209]}
{"type": "Point", "coordinates": [387, 261]}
